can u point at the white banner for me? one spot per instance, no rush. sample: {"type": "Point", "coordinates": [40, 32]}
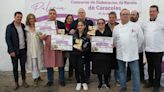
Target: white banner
{"type": "Point", "coordinates": [94, 8]}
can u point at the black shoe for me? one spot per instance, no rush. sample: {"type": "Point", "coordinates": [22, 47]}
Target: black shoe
{"type": "Point", "coordinates": [147, 85]}
{"type": "Point", "coordinates": [39, 79]}
{"type": "Point", "coordinates": [62, 83]}
{"type": "Point", "coordinates": [24, 84]}
{"type": "Point", "coordinates": [143, 82]}
{"type": "Point", "coordinates": [123, 90]}
{"type": "Point", "coordinates": [16, 87]}
{"type": "Point", "coordinates": [128, 79]}
{"type": "Point", "coordinates": [49, 84]}
{"type": "Point", "coordinates": [156, 89]}
{"type": "Point", "coordinates": [99, 86]}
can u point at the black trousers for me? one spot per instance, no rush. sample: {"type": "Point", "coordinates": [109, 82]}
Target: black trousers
{"type": "Point", "coordinates": [100, 78]}
{"type": "Point", "coordinates": [141, 68]}
{"type": "Point", "coordinates": [70, 72]}
{"type": "Point", "coordinates": [154, 67]}
{"type": "Point", "coordinates": [22, 58]}
{"type": "Point", "coordinates": [80, 70]}
{"type": "Point", "coordinates": [87, 69]}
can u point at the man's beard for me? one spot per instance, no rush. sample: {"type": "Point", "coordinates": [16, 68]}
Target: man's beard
{"type": "Point", "coordinates": [133, 19]}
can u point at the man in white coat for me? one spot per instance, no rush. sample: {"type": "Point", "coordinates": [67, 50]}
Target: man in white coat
{"type": "Point", "coordinates": [154, 47]}
{"type": "Point", "coordinates": [128, 38]}
{"type": "Point", "coordinates": [134, 17]}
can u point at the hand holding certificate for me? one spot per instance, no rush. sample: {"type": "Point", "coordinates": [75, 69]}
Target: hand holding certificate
{"type": "Point", "coordinates": [61, 42]}
{"type": "Point", "coordinates": [102, 44]}
{"type": "Point", "coordinates": [61, 31]}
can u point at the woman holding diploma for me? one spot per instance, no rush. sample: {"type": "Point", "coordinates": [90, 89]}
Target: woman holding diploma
{"type": "Point", "coordinates": [34, 49]}
{"type": "Point", "coordinates": [101, 61]}
{"type": "Point", "coordinates": [68, 21]}
{"type": "Point", "coordinates": [80, 52]}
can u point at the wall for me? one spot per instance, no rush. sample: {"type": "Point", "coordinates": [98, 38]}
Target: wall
{"type": "Point", "coordinates": [6, 17]}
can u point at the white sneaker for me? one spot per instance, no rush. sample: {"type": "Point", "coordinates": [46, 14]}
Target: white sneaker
{"type": "Point", "coordinates": [85, 86]}
{"type": "Point", "coordinates": [78, 86]}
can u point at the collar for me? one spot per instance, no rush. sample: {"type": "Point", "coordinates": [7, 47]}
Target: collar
{"type": "Point", "coordinates": [153, 19]}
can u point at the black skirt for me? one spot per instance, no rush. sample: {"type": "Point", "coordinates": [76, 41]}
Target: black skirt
{"type": "Point", "coordinates": [101, 63]}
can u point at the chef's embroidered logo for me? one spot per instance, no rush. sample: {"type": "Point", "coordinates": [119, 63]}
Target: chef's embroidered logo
{"type": "Point", "coordinates": [133, 30]}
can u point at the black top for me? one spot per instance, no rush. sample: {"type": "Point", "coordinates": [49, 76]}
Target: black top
{"type": "Point", "coordinates": [86, 45]}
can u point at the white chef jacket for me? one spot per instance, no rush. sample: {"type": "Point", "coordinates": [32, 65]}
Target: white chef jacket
{"type": "Point", "coordinates": [128, 38]}
{"type": "Point", "coordinates": [142, 48]}
{"type": "Point", "coordinates": [154, 35]}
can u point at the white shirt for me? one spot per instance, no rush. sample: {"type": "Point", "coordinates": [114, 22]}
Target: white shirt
{"type": "Point", "coordinates": [142, 48]}
{"type": "Point", "coordinates": [128, 39]}
{"type": "Point", "coordinates": [21, 37]}
{"type": "Point", "coordinates": [33, 44]}
{"type": "Point", "coordinates": [154, 35]}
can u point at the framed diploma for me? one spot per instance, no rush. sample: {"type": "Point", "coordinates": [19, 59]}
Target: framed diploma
{"type": "Point", "coordinates": [61, 42]}
{"type": "Point", "coordinates": [46, 27]}
{"type": "Point", "coordinates": [101, 44]}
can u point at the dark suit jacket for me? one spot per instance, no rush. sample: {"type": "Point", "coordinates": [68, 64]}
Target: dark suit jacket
{"type": "Point", "coordinates": [60, 25]}
{"type": "Point", "coordinates": [12, 38]}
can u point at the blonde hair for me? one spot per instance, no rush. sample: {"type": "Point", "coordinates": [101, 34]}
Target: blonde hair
{"type": "Point", "coordinates": [28, 18]}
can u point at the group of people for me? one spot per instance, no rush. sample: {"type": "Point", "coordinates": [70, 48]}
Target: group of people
{"type": "Point", "coordinates": [131, 39]}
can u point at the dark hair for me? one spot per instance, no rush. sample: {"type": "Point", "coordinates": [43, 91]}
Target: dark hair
{"type": "Point", "coordinates": [18, 12]}
{"type": "Point", "coordinates": [83, 22]}
{"type": "Point", "coordinates": [138, 14]}
{"type": "Point", "coordinates": [68, 16]}
{"type": "Point", "coordinates": [52, 10]}
{"type": "Point", "coordinates": [124, 10]}
{"type": "Point", "coordinates": [28, 18]}
{"type": "Point", "coordinates": [85, 29]}
{"type": "Point", "coordinates": [113, 13]}
{"type": "Point", "coordinates": [101, 19]}
{"type": "Point", "coordinates": [154, 6]}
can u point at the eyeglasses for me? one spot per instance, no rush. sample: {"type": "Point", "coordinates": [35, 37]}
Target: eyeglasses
{"type": "Point", "coordinates": [125, 14]}
{"type": "Point", "coordinates": [100, 23]}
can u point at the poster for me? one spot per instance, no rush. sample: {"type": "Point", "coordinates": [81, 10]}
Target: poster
{"type": "Point", "coordinates": [61, 42]}
{"type": "Point", "coordinates": [46, 27]}
{"type": "Point", "coordinates": [101, 44]}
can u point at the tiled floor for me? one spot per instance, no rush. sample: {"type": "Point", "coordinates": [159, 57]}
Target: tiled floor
{"type": "Point", "coordinates": [6, 85]}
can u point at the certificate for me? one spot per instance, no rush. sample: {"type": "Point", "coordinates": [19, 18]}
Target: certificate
{"type": "Point", "coordinates": [101, 44]}
{"type": "Point", "coordinates": [61, 42]}
{"type": "Point", "coordinates": [46, 27]}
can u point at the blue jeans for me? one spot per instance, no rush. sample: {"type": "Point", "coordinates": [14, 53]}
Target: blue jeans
{"type": "Point", "coordinates": [61, 73]}
{"type": "Point", "coordinates": [116, 75]}
{"type": "Point", "coordinates": [50, 73]}
{"type": "Point", "coordinates": [134, 67]}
